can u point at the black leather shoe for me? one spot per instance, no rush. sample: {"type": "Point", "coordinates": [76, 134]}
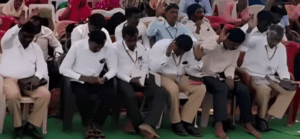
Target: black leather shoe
{"type": "Point", "coordinates": [179, 129]}
{"type": "Point", "coordinates": [262, 124]}
{"type": "Point", "coordinates": [31, 130]}
{"type": "Point", "coordinates": [17, 133]}
{"type": "Point", "coordinates": [193, 131]}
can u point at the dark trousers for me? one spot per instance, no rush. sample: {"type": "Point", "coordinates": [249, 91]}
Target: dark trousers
{"type": "Point", "coordinates": [155, 96]}
{"type": "Point", "coordinates": [88, 107]}
{"type": "Point", "coordinates": [220, 91]}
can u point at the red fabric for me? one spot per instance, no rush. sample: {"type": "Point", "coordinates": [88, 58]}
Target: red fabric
{"type": "Point", "coordinates": [229, 26]}
{"type": "Point", "coordinates": [78, 11]}
{"type": "Point", "coordinates": [292, 49]}
{"type": "Point", "coordinates": [108, 4]}
{"type": "Point", "coordinates": [28, 2]}
{"type": "Point", "coordinates": [7, 22]}
{"type": "Point", "coordinates": [215, 25]}
{"type": "Point", "coordinates": [216, 19]}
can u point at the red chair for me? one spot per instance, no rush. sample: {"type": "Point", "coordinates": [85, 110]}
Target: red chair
{"type": "Point", "coordinates": [7, 22]}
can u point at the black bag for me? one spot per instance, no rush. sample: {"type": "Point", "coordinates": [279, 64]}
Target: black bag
{"type": "Point", "coordinates": [25, 84]}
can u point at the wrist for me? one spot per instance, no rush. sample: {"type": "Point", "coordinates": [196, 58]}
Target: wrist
{"type": "Point", "coordinates": [83, 78]}
{"type": "Point", "coordinates": [218, 41]}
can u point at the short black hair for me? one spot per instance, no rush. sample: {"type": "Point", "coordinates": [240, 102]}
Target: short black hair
{"type": "Point", "coordinates": [278, 29]}
{"type": "Point", "coordinates": [265, 16]}
{"type": "Point", "coordinates": [33, 26]}
{"type": "Point", "coordinates": [130, 11]}
{"type": "Point", "coordinates": [129, 30]}
{"type": "Point", "coordinates": [192, 9]}
{"type": "Point", "coordinates": [70, 27]}
{"type": "Point", "coordinates": [184, 42]}
{"type": "Point", "coordinates": [170, 6]}
{"type": "Point", "coordinates": [98, 37]}
{"type": "Point", "coordinates": [236, 35]}
{"type": "Point", "coordinates": [97, 20]}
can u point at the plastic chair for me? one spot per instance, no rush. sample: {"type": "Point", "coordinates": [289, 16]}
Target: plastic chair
{"type": "Point", "coordinates": [7, 22]}
{"type": "Point", "coordinates": [61, 26]}
{"type": "Point", "coordinates": [255, 9]}
{"type": "Point", "coordinates": [58, 14]}
{"type": "Point", "coordinates": [46, 11]}
{"type": "Point", "coordinates": [109, 13]}
{"type": "Point", "coordinates": [25, 100]}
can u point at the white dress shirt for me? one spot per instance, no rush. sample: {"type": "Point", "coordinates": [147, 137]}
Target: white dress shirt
{"type": "Point", "coordinates": [218, 60]}
{"type": "Point", "coordinates": [80, 60]}
{"type": "Point", "coordinates": [129, 61]}
{"type": "Point", "coordinates": [46, 38]}
{"type": "Point", "coordinates": [205, 4]}
{"type": "Point", "coordinates": [18, 62]}
{"type": "Point", "coordinates": [162, 30]}
{"type": "Point", "coordinates": [142, 37]}
{"type": "Point", "coordinates": [82, 32]}
{"type": "Point", "coordinates": [254, 33]}
{"type": "Point", "coordinates": [173, 65]}
{"type": "Point", "coordinates": [260, 60]}
{"type": "Point", "coordinates": [206, 31]}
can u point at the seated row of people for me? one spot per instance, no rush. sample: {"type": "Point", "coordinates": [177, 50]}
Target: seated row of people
{"type": "Point", "coordinates": [172, 65]}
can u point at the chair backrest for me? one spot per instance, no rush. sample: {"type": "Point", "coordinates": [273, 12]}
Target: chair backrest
{"type": "Point", "coordinates": [61, 26]}
{"type": "Point", "coordinates": [255, 9]}
{"type": "Point", "coordinates": [46, 11]}
{"type": "Point", "coordinates": [59, 13]}
{"type": "Point", "coordinates": [292, 49]}
{"type": "Point", "coordinates": [220, 5]}
{"type": "Point", "coordinates": [109, 13]}
{"type": "Point", "coordinates": [1, 6]}
{"type": "Point", "coordinates": [7, 22]}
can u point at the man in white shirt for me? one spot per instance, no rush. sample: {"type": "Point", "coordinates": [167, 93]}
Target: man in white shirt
{"type": "Point", "coordinates": [133, 75]}
{"type": "Point", "coordinates": [170, 58]}
{"type": "Point", "coordinates": [266, 57]}
{"type": "Point", "coordinates": [219, 63]}
{"type": "Point", "coordinates": [22, 59]}
{"type": "Point", "coordinates": [96, 22]}
{"type": "Point", "coordinates": [83, 64]}
{"type": "Point", "coordinates": [198, 24]}
{"type": "Point", "coordinates": [169, 27]}
{"type": "Point", "coordinates": [133, 16]}
{"type": "Point", "coordinates": [46, 38]}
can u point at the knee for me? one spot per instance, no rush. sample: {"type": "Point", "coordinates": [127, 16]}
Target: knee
{"type": "Point", "coordinates": [13, 96]}
{"type": "Point", "coordinates": [200, 91]}
{"type": "Point", "coordinates": [242, 90]}
{"type": "Point", "coordinates": [44, 93]}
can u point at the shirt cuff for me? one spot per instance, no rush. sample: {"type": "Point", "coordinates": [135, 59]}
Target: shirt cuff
{"type": "Point", "coordinates": [38, 75]}
{"type": "Point", "coordinates": [108, 76]}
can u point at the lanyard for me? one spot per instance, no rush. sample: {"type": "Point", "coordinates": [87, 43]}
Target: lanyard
{"type": "Point", "coordinates": [134, 61]}
{"type": "Point", "coordinates": [177, 64]}
{"type": "Point", "coordinates": [268, 54]}
{"type": "Point", "coordinates": [170, 32]}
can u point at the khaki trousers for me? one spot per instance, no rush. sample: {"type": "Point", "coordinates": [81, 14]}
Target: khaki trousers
{"type": "Point", "coordinates": [13, 95]}
{"type": "Point", "coordinates": [264, 93]}
{"type": "Point", "coordinates": [195, 95]}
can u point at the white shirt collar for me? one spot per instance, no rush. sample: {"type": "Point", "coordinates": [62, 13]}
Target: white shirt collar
{"type": "Point", "coordinates": [126, 47]}
{"type": "Point", "coordinates": [168, 25]}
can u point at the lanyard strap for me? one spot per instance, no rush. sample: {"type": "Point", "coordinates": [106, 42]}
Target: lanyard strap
{"type": "Point", "coordinates": [170, 32]}
{"type": "Point", "coordinates": [268, 53]}
{"type": "Point", "coordinates": [134, 61]}
{"type": "Point", "coordinates": [177, 64]}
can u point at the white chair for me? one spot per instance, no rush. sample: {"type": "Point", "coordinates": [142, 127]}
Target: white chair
{"type": "Point", "coordinates": [46, 11]}
{"type": "Point", "coordinates": [25, 100]}
{"type": "Point", "coordinates": [59, 13]}
{"type": "Point", "coordinates": [109, 13]}
{"type": "Point", "coordinates": [255, 9]}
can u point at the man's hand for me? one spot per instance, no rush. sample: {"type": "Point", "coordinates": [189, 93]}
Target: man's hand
{"type": "Point", "coordinates": [35, 12]}
{"type": "Point", "coordinates": [230, 83]}
{"type": "Point", "coordinates": [198, 26]}
{"type": "Point", "coordinates": [170, 49]}
{"type": "Point", "coordinates": [252, 23]}
{"type": "Point", "coordinates": [22, 19]}
{"type": "Point", "coordinates": [136, 82]}
{"type": "Point", "coordinates": [198, 53]}
{"type": "Point", "coordinates": [160, 10]}
{"type": "Point", "coordinates": [35, 82]}
{"type": "Point", "coordinates": [102, 80]}
{"type": "Point", "coordinates": [223, 36]}
{"type": "Point", "coordinates": [90, 79]}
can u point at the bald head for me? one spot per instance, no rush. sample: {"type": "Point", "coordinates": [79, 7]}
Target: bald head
{"type": "Point", "coordinates": [275, 35]}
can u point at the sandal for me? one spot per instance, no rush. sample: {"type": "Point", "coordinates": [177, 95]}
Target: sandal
{"type": "Point", "coordinates": [90, 134]}
{"type": "Point", "coordinates": [99, 134]}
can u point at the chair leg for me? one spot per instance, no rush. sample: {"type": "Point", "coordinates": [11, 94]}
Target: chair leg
{"type": "Point", "coordinates": [25, 111]}
{"type": "Point", "coordinates": [45, 122]}
{"type": "Point", "coordinates": [160, 120]}
{"type": "Point", "coordinates": [208, 104]}
{"type": "Point", "coordinates": [195, 124]}
{"type": "Point", "coordinates": [2, 111]}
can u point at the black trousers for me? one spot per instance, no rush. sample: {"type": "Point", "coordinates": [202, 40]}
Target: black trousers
{"type": "Point", "coordinates": [220, 92]}
{"type": "Point", "coordinates": [155, 96]}
{"type": "Point", "coordinates": [105, 96]}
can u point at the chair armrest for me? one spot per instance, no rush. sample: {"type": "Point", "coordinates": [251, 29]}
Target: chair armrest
{"type": "Point", "coordinates": [1, 86]}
